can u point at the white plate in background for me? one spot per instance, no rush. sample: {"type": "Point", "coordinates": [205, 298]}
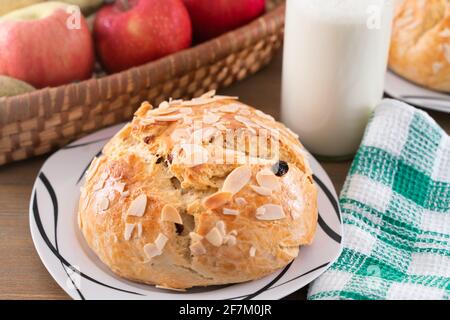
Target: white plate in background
{"type": "Point", "coordinates": [401, 89]}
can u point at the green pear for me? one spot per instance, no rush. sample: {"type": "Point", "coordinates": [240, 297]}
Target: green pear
{"type": "Point", "coordinates": [87, 6]}
{"type": "Point", "coordinates": [90, 21]}
{"type": "Point", "coordinates": [7, 6]}
{"type": "Point", "coordinates": [34, 12]}
{"type": "Point", "coordinates": [12, 87]}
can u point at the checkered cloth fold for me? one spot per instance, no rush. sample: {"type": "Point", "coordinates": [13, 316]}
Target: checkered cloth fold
{"type": "Point", "coordinates": [396, 212]}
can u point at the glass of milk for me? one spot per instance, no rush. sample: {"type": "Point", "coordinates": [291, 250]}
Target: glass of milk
{"type": "Point", "coordinates": [335, 60]}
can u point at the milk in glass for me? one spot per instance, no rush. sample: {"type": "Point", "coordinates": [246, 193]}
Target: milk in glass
{"type": "Point", "coordinates": [335, 59]}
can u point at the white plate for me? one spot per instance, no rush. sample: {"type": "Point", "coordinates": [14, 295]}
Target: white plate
{"type": "Point", "coordinates": [82, 275]}
{"type": "Point", "coordinates": [401, 89]}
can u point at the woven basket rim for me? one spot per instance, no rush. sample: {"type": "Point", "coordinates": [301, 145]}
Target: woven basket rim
{"type": "Point", "coordinates": [226, 43]}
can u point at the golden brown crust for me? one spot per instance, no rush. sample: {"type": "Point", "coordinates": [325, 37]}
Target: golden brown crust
{"type": "Point", "coordinates": [236, 240]}
{"type": "Point", "coordinates": [420, 48]}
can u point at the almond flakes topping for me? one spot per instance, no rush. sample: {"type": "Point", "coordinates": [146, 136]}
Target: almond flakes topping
{"type": "Point", "coordinates": [162, 112]}
{"type": "Point", "coordinates": [139, 229]}
{"type": "Point", "coordinates": [170, 214]}
{"type": "Point", "coordinates": [161, 241]}
{"type": "Point", "coordinates": [186, 111]}
{"type": "Point", "coordinates": [151, 250]}
{"type": "Point", "coordinates": [263, 191]}
{"type": "Point", "coordinates": [445, 33]}
{"type": "Point", "coordinates": [230, 212]}
{"type": "Point", "coordinates": [215, 237]}
{"type": "Point", "coordinates": [245, 112]}
{"type": "Point", "coordinates": [164, 105]}
{"type": "Point", "coordinates": [221, 97]}
{"type": "Point", "coordinates": [270, 212]}
{"type": "Point", "coordinates": [203, 135]}
{"type": "Point", "coordinates": [84, 197]}
{"type": "Point", "coordinates": [93, 168]}
{"type": "Point", "coordinates": [170, 118]}
{"type": "Point", "coordinates": [138, 206]}
{"type": "Point", "coordinates": [103, 204]}
{"type": "Point", "coordinates": [175, 102]}
{"type": "Point", "coordinates": [146, 122]}
{"type": "Point", "coordinates": [206, 99]}
{"type": "Point", "coordinates": [155, 249]}
{"type": "Point", "coordinates": [264, 115]}
{"type": "Point", "coordinates": [220, 126]}
{"type": "Point", "coordinates": [197, 249]}
{"type": "Point", "coordinates": [129, 227]}
{"type": "Point", "coordinates": [211, 118]}
{"type": "Point", "coordinates": [187, 120]}
{"type": "Point", "coordinates": [194, 155]}
{"type": "Point", "coordinates": [245, 121]}
{"type": "Point", "coordinates": [220, 225]}
{"type": "Point", "coordinates": [120, 187]}
{"type": "Point", "coordinates": [195, 237]}
{"type": "Point", "coordinates": [252, 252]}
{"type": "Point", "coordinates": [437, 67]}
{"type": "Point", "coordinates": [240, 201]}
{"type": "Point", "coordinates": [217, 200]}
{"type": "Point", "coordinates": [230, 240]}
{"type": "Point", "coordinates": [237, 179]}
{"type": "Point", "coordinates": [209, 94]}
{"type": "Point", "coordinates": [230, 108]}
{"type": "Point", "coordinates": [197, 102]}
{"type": "Point", "coordinates": [180, 134]}
{"type": "Point", "coordinates": [99, 185]}
{"type": "Point", "coordinates": [267, 179]}
{"type": "Point", "coordinates": [262, 124]}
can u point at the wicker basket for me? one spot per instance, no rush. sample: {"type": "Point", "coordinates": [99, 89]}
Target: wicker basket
{"type": "Point", "coordinates": [36, 123]}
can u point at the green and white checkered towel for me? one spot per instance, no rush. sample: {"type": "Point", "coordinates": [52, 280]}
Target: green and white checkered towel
{"type": "Point", "coordinates": [396, 212]}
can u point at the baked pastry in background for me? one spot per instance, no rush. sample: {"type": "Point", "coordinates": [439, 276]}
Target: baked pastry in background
{"type": "Point", "coordinates": [202, 192]}
{"type": "Point", "coordinates": [420, 48]}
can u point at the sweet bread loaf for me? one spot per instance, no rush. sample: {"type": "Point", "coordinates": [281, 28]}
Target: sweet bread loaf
{"type": "Point", "coordinates": [202, 192]}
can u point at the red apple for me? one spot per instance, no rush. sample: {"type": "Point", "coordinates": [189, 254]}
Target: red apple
{"type": "Point", "coordinates": [46, 44]}
{"type": "Point", "coordinates": [213, 18]}
{"type": "Point", "coordinates": [129, 33]}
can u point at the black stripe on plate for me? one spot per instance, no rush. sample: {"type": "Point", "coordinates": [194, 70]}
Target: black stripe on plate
{"type": "Point", "coordinates": [293, 279]}
{"type": "Point", "coordinates": [330, 232]}
{"type": "Point", "coordinates": [302, 275]}
{"type": "Point", "coordinates": [329, 195]}
{"type": "Point", "coordinates": [63, 262]}
{"type": "Point", "coordinates": [266, 287]}
{"type": "Point", "coordinates": [52, 194]}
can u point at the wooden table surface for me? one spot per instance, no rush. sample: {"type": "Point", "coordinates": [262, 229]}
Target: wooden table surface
{"type": "Point", "coordinates": [22, 274]}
